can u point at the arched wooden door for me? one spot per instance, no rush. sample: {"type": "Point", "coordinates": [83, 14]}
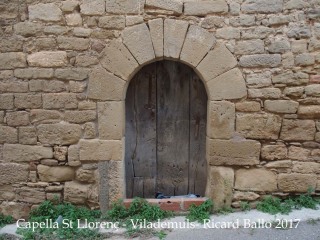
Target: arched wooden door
{"type": "Point", "coordinates": [166, 111]}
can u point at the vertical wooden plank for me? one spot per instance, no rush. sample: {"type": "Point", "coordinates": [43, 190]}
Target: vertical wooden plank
{"type": "Point", "coordinates": [141, 129]}
{"type": "Point", "coordinates": [137, 190]}
{"type": "Point", "coordinates": [198, 119]}
{"type": "Point", "coordinates": [172, 128]}
{"type": "Point", "coordinates": [149, 186]}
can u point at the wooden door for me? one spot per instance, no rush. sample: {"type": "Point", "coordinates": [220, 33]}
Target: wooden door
{"type": "Point", "coordinates": [166, 111]}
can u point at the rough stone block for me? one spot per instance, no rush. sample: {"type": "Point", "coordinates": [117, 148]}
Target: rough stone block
{"type": "Point", "coordinates": [83, 175]}
{"type": "Point", "coordinates": [279, 164]}
{"type": "Point", "coordinates": [110, 124]}
{"type": "Point", "coordinates": [220, 185]}
{"type": "Point", "coordinates": [69, 5]}
{"type": "Point", "coordinates": [271, 93]}
{"type": "Point", "coordinates": [293, 91]}
{"type": "Point", "coordinates": [8, 173]}
{"type": "Point", "coordinates": [44, 116]}
{"type": "Point", "coordinates": [59, 133]}
{"type": "Point", "coordinates": [262, 6]}
{"type": "Point", "coordinates": [47, 86]}
{"type": "Point", "coordinates": [156, 33]}
{"type": "Point", "coordinates": [298, 130]}
{"type": "Point", "coordinates": [60, 101]}
{"type": "Point", "coordinates": [27, 101]}
{"type": "Point", "coordinates": [105, 86]}
{"type": "Point", "coordinates": [25, 153]}
{"type": "Point", "coordinates": [118, 60]}
{"type": "Point", "coordinates": [138, 40]}
{"type": "Point", "coordinates": [75, 192]}
{"type": "Point", "coordinates": [89, 130]}
{"type": "Point", "coordinates": [77, 74]}
{"type": "Point", "coordinates": [6, 101]}
{"type": "Point", "coordinates": [217, 61]}
{"type": "Point", "coordinates": [260, 60]}
{"type": "Point", "coordinates": [221, 119]}
{"type": "Point", "coordinates": [27, 135]}
{"type": "Point", "coordinates": [298, 30]}
{"type": "Point", "coordinates": [304, 59]}
{"type": "Point", "coordinates": [299, 153]}
{"type": "Point", "coordinates": [100, 150]}
{"type": "Point", "coordinates": [48, 59]}
{"type": "Point", "coordinates": [14, 44]}
{"type": "Point", "coordinates": [258, 126]}
{"type": "Point", "coordinates": [311, 111]}
{"type": "Point", "coordinates": [274, 152]}
{"type": "Point", "coordinates": [228, 33]}
{"type": "Point", "coordinates": [171, 5]}
{"type": "Point", "coordinates": [73, 43]}
{"type": "Point", "coordinates": [73, 19]}
{"type": "Point", "coordinates": [125, 7]}
{"type": "Point", "coordinates": [296, 182]}
{"type": "Point", "coordinates": [203, 8]}
{"type": "Point", "coordinates": [229, 85]}
{"type": "Point", "coordinates": [133, 20]}
{"type": "Point", "coordinates": [8, 135]}
{"type": "Point", "coordinates": [112, 22]}
{"type": "Point", "coordinates": [55, 174]}
{"type": "Point", "coordinates": [60, 153]}
{"type": "Point", "coordinates": [313, 90]}
{"type": "Point", "coordinates": [19, 118]}
{"type": "Point", "coordinates": [33, 73]}
{"type": "Point", "coordinates": [16, 210]}
{"type": "Point", "coordinates": [233, 152]}
{"type": "Point", "coordinates": [28, 29]}
{"type": "Point", "coordinates": [255, 180]}
{"type": "Point", "coordinates": [249, 47]}
{"type": "Point", "coordinates": [280, 46]}
{"type": "Point", "coordinates": [245, 196]}
{"type": "Point", "coordinates": [281, 106]}
{"type": "Point", "coordinates": [93, 7]}
{"type": "Point", "coordinates": [13, 85]}
{"type": "Point", "coordinates": [12, 60]}
{"type": "Point", "coordinates": [196, 45]}
{"type": "Point", "coordinates": [306, 167]}
{"type": "Point", "coordinates": [80, 116]}
{"type": "Point", "coordinates": [248, 106]}
{"type": "Point", "coordinates": [48, 12]}
{"type": "Point", "coordinates": [259, 32]}
{"type": "Point", "coordinates": [73, 156]}
{"type": "Point", "coordinates": [174, 36]}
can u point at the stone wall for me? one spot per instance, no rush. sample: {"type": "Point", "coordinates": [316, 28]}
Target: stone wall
{"type": "Point", "coordinates": [65, 67]}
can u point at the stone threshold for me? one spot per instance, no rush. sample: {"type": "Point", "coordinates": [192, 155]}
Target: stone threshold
{"type": "Point", "coordinates": [171, 204]}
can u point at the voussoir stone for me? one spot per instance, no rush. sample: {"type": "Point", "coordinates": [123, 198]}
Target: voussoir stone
{"type": "Point", "coordinates": [296, 182]}
{"type": "Point", "coordinates": [221, 119]}
{"type": "Point", "coordinates": [202, 8]}
{"type": "Point", "coordinates": [8, 173]}
{"type": "Point", "coordinates": [12, 60]}
{"type": "Point", "coordinates": [233, 152]}
{"type": "Point", "coordinates": [281, 106]}
{"type": "Point", "coordinates": [100, 150]}
{"type": "Point", "coordinates": [138, 40]}
{"type": "Point", "coordinates": [260, 60]}
{"type": "Point", "coordinates": [258, 126]}
{"type": "Point", "coordinates": [256, 180]}
{"type": "Point", "coordinates": [220, 186]}
{"type": "Point", "coordinates": [55, 174]}
{"type": "Point", "coordinates": [48, 59]}
{"type": "Point", "coordinates": [229, 85]}
{"type": "Point", "coordinates": [156, 32]}
{"type": "Point", "coordinates": [174, 35]}
{"type": "Point", "coordinates": [59, 133]}
{"type": "Point", "coordinates": [25, 153]}
{"type": "Point", "coordinates": [262, 6]}
{"type": "Point", "coordinates": [105, 86]}
{"type": "Point", "coordinates": [298, 130]}
{"type": "Point", "coordinates": [171, 5]}
{"type": "Point", "coordinates": [218, 61]}
{"type": "Point", "coordinates": [196, 45]}
{"type": "Point", "coordinates": [110, 122]}
{"type": "Point", "coordinates": [118, 60]}
{"type": "Point", "coordinates": [45, 11]}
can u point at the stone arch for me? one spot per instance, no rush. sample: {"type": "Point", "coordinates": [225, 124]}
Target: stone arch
{"type": "Point", "coordinates": [173, 40]}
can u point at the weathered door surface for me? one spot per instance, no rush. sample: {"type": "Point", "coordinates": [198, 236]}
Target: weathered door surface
{"type": "Point", "coordinates": [166, 110]}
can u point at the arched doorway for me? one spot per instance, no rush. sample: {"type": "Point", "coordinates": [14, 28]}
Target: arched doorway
{"type": "Point", "coordinates": [166, 111]}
